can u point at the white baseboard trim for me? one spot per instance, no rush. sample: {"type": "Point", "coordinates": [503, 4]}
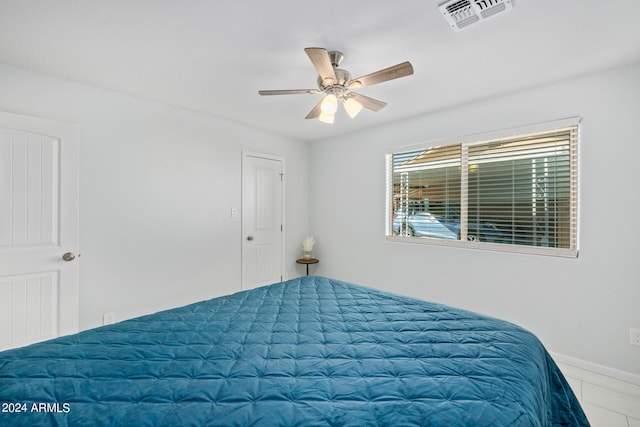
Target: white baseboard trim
{"type": "Point", "coordinates": [596, 368]}
{"type": "Point", "coordinates": [609, 397]}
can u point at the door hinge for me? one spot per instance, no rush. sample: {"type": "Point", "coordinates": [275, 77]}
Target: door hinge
{"type": "Point", "coordinates": [281, 228]}
{"type": "Point", "coordinates": [281, 177]}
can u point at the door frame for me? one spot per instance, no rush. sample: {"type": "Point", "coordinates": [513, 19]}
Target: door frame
{"type": "Point", "coordinates": [280, 159]}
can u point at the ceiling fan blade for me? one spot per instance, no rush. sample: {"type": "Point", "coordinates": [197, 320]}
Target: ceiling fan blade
{"type": "Point", "coordinates": [320, 59]}
{"type": "Point", "coordinates": [288, 92]}
{"type": "Point", "coordinates": [315, 112]}
{"type": "Point", "coordinates": [368, 103]}
{"type": "Point", "coordinates": [395, 72]}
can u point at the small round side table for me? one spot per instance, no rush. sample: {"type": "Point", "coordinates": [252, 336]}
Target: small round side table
{"type": "Point", "coordinates": [307, 261]}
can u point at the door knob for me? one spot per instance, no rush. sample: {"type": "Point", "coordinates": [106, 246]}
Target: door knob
{"type": "Point", "coordinates": [69, 256]}
{"type": "Point", "coordinates": [249, 238]}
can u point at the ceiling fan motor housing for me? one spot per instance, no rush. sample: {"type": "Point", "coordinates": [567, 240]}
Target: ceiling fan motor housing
{"type": "Point", "coordinates": [342, 76]}
{"type": "Point", "coordinates": [339, 86]}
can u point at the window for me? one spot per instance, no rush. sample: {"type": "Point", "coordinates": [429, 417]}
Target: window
{"type": "Point", "coordinates": [513, 190]}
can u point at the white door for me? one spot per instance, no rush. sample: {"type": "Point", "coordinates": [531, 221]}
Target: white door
{"type": "Point", "coordinates": [38, 226]}
{"type": "Point", "coordinates": [262, 220]}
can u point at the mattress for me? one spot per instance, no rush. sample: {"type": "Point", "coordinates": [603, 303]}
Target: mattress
{"type": "Point", "coordinates": [311, 351]}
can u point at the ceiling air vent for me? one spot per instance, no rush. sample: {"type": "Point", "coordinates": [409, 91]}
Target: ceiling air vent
{"type": "Point", "coordinates": [462, 13]}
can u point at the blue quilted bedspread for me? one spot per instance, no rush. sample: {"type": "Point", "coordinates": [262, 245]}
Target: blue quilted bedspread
{"type": "Point", "coordinates": [307, 352]}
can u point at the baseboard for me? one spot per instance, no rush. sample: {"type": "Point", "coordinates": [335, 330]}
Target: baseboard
{"type": "Point", "coordinates": [609, 397]}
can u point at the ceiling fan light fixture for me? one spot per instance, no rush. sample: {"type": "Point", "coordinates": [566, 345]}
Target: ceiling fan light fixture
{"type": "Point", "coordinates": [352, 107]}
{"type": "Point", "coordinates": [336, 84]}
{"type": "Point", "coordinates": [329, 104]}
{"type": "Point", "coordinates": [327, 118]}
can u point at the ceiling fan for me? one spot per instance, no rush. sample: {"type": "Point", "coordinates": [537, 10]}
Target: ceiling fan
{"type": "Point", "coordinates": [337, 84]}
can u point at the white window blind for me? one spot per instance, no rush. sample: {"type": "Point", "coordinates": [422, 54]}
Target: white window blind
{"type": "Point", "coordinates": [514, 190]}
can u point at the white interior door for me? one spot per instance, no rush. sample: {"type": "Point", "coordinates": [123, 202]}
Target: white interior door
{"type": "Point", "coordinates": [38, 226]}
{"type": "Point", "coordinates": [262, 220]}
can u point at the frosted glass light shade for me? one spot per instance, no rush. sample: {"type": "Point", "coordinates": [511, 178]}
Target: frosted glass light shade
{"type": "Point", "coordinates": [326, 118]}
{"type": "Point", "coordinates": [352, 107]}
{"type": "Point", "coordinates": [329, 104]}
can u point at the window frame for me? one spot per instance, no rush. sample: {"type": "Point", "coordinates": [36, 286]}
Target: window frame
{"type": "Point", "coordinates": [466, 141]}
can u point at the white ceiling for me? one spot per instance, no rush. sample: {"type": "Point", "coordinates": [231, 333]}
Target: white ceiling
{"type": "Point", "coordinates": [212, 56]}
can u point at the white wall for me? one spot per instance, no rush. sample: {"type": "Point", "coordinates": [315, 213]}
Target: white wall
{"type": "Point", "coordinates": [157, 185]}
{"type": "Point", "coordinates": [578, 307]}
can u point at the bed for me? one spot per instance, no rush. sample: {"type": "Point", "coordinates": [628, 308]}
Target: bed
{"type": "Point", "coordinates": [310, 351]}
